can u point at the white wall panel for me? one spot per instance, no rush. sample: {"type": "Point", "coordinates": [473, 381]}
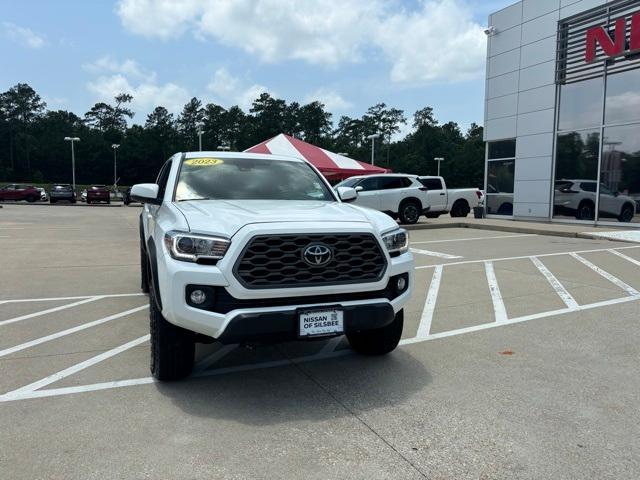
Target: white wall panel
{"type": "Point", "coordinates": [500, 128]}
{"type": "Point", "coordinates": [532, 191]}
{"type": "Point", "coordinates": [579, 7]}
{"type": "Point", "coordinates": [536, 122]}
{"type": "Point", "coordinates": [535, 8]}
{"type": "Point", "coordinates": [502, 106]}
{"type": "Point", "coordinates": [502, 85]}
{"type": "Point", "coordinates": [538, 210]}
{"type": "Point", "coordinates": [505, 40]}
{"type": "Point", "coordinates": [537, 99]}
{"type": "Point", "coordinates": [539, 145]}
{"type": "Point", "coordinates": [541, 27]}
{"type": "Point", "coordinates": [507, 17]}
{"type": "Point", "coordinates": [504, 63]}
{"type": "Point", "coordinates": [528, 169]}
{"type": "Point", "coordinates": [539, 52]}
{"type": "Point", "coordinates": [538, 75]}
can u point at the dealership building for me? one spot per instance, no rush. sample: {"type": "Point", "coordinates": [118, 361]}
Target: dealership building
{"type": "Point", "coordinates": [562, 111]}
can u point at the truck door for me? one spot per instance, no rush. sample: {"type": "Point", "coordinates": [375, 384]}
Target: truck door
{"type": "Point", "coordinates": [436, 194]}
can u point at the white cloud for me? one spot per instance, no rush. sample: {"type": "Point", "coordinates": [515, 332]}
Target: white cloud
{"type": "Point", "coordinates": [229, 90]}
{"type": "Point", "coordinates": [23, 36]}
{"type": "Point", "coordinates": [146, 95]}
{"type": "Point", "coordinates": [332, 100]}
{"type": "Point", "coordinates": [108, 64]}
{"type": "Point", "coordinates": [437, 40]}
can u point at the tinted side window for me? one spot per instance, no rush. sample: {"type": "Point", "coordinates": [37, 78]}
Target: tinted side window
{"type": "Point", "coordinates": [588, 186]}
{"type": "Point", "coordinates": [432, 183]}
{"type": "Point", "coordinates": [406, 182]}
{"type": "Point", "coordinates": [389, 183]}
{"type": "Point", "coordinates": [369, 184]}
{"type": "Point", "coordinates": [163, 176]}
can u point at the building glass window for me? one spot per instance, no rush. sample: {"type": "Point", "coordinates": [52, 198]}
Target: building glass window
{"type": "Point", "coordinates": [576, 172]}
{"type": "Point", "coordinates": [622, 102]}
{"type": "Point", "coordinates": [580, 105]}
{"type": "Point", "coordinates": [500, 177]}
{"type": "Point", "coordinates": [620, 174]}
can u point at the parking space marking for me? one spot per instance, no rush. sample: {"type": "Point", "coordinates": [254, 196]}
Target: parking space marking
{"type": "Point", "coordinates": [435, 254]}
{"type": "Point", "coordinates": [50, 310]}
{"type": "Point", "coordinates": [615, 280]}
{"type": "Point", "coordinates": [562, 292]}
{"type": "Point", "coordinates": [69, 331]}
{"type": "Point", "coordinates": [524, 257]}
{"type": "Point", "coordinates": [477, 238]}
{"type": "Point", "coordinates": [626, 257]}
{"type": "Point", "coordinates": [430, 304]}
{"type": "Point", "coordinates": [499, 309]}
{"type": "Point", "coordinates": [55, 299]}
{"type": "Point", "coordinates": [75, 368]}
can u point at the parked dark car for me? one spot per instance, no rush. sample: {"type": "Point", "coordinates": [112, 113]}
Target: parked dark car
{"type": "Point", "coordinates": [98, 193]}
{"type": "Point", "coordinates": [17, 192]}
{"type": "Point", "coordinates": [62, 191]}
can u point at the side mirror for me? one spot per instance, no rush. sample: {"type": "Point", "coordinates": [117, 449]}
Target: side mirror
{"type": "Point", "coordinates": [359, 188]}
{"type": "Point", "coordinates": [146, 193]}
{"type": "Point", "coordinates": [347, 194]}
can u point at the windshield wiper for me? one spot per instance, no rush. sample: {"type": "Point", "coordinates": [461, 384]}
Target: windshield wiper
{"type": "Point", "coordinates": [195, 199]}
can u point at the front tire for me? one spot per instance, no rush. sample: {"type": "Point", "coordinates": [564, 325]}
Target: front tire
{"type": "Point", "coordinates": [172, 347]}
{"type": "Point", "coordinates": [627, 214]}
{"type": "Point", "coordinates": [379, 341]}
{"type": "Point", "coordinates": [409, 213]}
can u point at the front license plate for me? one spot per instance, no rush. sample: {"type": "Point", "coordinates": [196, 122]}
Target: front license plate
{"type": "Point", "coordinates": [315, 323]}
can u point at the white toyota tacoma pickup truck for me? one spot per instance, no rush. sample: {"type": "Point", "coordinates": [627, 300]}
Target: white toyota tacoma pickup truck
{"type": "Point", "coordinates": [457, 202]}
{"type": "Point", "coordinates": [250, 249]}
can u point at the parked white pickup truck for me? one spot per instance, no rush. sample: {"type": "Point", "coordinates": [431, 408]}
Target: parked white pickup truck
{"type": "Point", "coordinates": [458, 202]}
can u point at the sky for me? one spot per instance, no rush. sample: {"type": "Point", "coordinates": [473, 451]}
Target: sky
{"type": "Point", "coordinates": [348, 54]}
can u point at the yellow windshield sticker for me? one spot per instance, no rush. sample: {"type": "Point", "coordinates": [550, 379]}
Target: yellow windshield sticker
{"type": "Point", "coordinates": [203, 162]}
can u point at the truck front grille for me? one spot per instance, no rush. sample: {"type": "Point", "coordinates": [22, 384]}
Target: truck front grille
{"type": "Point", "coordinates": [276, 261]}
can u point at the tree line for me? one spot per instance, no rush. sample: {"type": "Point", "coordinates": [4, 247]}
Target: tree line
{"type": "Point", "coordinates": [32, 146]}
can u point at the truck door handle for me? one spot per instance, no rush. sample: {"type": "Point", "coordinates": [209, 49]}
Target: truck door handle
{"type": "Point", "coordinates": [442, 194]}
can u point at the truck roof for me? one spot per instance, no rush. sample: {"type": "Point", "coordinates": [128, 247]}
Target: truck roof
{"type": "Point", "coordinates": [257, 156]}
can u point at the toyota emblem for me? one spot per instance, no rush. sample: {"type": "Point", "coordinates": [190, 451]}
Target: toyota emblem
{"type": "Point", "coordinates": [317, 254]}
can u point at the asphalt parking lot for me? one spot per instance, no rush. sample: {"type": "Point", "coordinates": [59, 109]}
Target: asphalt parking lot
{"type": "Point", "coordinates": [519, 360]}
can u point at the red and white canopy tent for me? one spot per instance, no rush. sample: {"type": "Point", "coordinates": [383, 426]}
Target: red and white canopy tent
{"type": "Point", "coordinates": [331, 165]}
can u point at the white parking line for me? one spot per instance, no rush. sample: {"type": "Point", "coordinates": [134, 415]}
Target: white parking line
{"type": "Point", "coordinates": [435, 254]}
{"type": "Point", "coordinates": [430, 304]}
{"type": "Point", "coordinates": [626, 257]}
{"type": "Point", "coordinates": [69, 331]}
{"type": "Point", "coordinates": [496, 297]}
{"type": "Point", "coordinates": [55, 299]}
{"type": "Point", "coordinates": [50, 310]}
{"type": "Point", "coordinates": [476, 238]}
{"type": "Point", "coordinates": [615, 280]}
{"type": "Point", "coordinates": [562, 292]}
{"type": "Point", "coordinates": [76, 368]}
{"type": "Point", "coordinates": [523, 257]}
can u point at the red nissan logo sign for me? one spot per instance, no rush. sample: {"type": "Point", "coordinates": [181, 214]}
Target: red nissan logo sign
{"type": "Point", "coordinates": [616, 45]}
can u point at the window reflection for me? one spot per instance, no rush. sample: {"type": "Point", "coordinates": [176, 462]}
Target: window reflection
{"type": "Point", "coordinates": [581, 105]}
{"type": "Point", "coordinates": [576, 175]}
{"type": "Point", "coordinates": [622, 103]}
{"type": "Point", "coordinates": [620, 174]}
{"type": "Point", "coordinates": [500, 179]}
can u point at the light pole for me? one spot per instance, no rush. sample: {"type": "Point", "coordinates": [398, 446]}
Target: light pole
{"type": "Point", "coordinates": [115, 164]}
{"type": "Point", "coordinates": [73, 160]}
{"type": "Point", "coordinates": [438, 159]}
{"type": "Point", "coordinates": [200, 132]}
{"type": "Point", "coordinates": [373, 146]}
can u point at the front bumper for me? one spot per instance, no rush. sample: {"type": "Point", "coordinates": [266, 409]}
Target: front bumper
{"type": "Point", "coordinates": [278, 326]}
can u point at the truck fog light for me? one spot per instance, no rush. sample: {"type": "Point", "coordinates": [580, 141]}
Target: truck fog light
{"type": "Point", "coordinates": [198, 297]}
{"type": "Point", "coordinates": [401, 284]}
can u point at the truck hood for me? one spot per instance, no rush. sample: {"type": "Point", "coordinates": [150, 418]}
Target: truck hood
{"type": "Point", "coordinates": [226, 217]}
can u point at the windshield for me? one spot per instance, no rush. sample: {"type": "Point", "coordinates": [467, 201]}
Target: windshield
{"type": "Point", "coordinates": [249, 179]}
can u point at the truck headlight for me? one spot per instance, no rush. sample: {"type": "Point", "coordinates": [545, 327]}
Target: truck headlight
{"type": "Point", "coordinates": [396, 241]}
{"type": "Point", "coordinates": [191, 247]}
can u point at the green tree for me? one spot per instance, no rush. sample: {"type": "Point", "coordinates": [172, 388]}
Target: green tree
{"type": "Point", "coordinates": [190, 122]}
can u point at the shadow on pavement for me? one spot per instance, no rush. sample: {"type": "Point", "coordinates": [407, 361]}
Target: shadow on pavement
{"type": "Point", "coordinates": [310, 391]}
